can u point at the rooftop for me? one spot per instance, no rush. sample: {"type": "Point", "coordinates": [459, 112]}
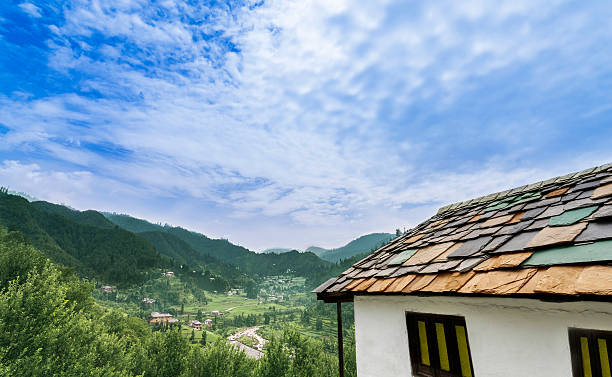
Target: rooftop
{"type": "Point", "coordinates": [548, 238]}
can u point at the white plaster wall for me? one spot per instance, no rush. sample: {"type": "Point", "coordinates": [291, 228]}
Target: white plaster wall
{"type": "Point", "coordinates": [507, 337]}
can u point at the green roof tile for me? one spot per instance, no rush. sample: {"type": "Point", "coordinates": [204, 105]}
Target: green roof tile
{"type": "Point", "coordinates": [402, 257]}
{"type": "Point", "coordinates": [572, 216]}
{"type": "Point", "coordinates": [593, 252]}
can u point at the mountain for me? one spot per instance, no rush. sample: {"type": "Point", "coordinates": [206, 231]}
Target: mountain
{"type": "Point", "coordinates": [276, 250]}
{"type": "Point", "coordinates": [103, 251]}
{"type": "Point", "coordinates": [247, 261]}
{"type": "Point", "coordinates": [318, 251]}
{"type": "Point", "coordinates": [361, 245]}
{"type": "Point", "coordinates": [89, 217]}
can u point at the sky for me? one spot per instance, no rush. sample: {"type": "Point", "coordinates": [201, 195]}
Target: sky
{"type": "Point", "coordinates": [295, 123]}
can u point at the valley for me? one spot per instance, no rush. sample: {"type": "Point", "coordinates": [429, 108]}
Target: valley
{"type": "Point", "coordinates": [176, 281]}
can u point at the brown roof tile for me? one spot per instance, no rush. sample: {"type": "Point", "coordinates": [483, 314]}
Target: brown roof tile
{"type": "Point", "coordinates": [400, 283]}
{"type": "Point", "coordinates": [499, 282]}
{"type": "Point", "coordinates": [380, 285]}
{"type": "Point", "coordinates": [602, 191]}
{"type": "Point", "coordinates": [364, 285]}
{"type": "Point", "coordinates": [497, 221]}
{"type": "Point", "coordinates": [556, 235]}
{"type": "Point", "coordinates": [508, 260]}
{"type": "Point", "coordinates": [557, 192]}
{"type": "Point", "coordinates": [427, 254]}
{"type": "Point", "coordinates": [449, 282]}
{"type": "Point", "coordinates": [419, 282]}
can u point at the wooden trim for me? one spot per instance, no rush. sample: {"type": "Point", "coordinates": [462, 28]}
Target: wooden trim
{"type": "Point", "coordinates": [452, 348]}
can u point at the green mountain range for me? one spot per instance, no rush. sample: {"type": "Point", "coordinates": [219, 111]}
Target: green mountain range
{"type": "Point", "coordinates": [68, 237]}
{"type": "Point", "coordinates": [361, 245]}
{"type": "Point", "coordinates": [123, 250]}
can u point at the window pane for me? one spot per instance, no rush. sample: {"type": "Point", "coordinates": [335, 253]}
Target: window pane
{"type": "Point", "coordinates": [442, 350]}
{"type": "Point", "coordinates": [423, 342]}
{"type": "Point", "coordinates": [464, 353]}
{"type": "Point", "coordinates": [586, 358]}
{"type": "Point", "coordinates": [603, 357]}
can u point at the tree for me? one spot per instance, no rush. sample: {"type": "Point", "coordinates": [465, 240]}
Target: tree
{"type": "Point", "coordinates": [182, 308]}
{"type": "Point", "coordinates": [203, 339]}
{"type": "Point", "coordinates": [192, 337]}
{"type": "Point", "coordinates": [319, 324]}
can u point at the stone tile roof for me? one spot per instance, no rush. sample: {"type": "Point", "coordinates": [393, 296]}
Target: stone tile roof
{"type": "Point", "coordinates": [549, 238]}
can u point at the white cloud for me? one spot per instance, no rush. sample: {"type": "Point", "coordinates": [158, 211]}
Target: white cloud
{"type": "Point", "coordinates": [304, 121]}
{"type": "Point", "coordinates": [31, 9]}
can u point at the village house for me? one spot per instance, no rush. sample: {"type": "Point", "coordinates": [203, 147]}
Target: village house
{"type": "Point", "coordinates": [216, 313]}
{"type": "Point", "coordinates": [516, 283]}
{"type": "Point", "coordinates": [208, 322]}
{"type": "Point", "coordinates": [196, 325]}
{"type": "Point", "coordinates": [106, 289]}
{"type": "Point", "coordinates": [170, 274]}
{"type": "Point", "coordinates": [162, 318]}
{"type": "Point", "coordinates": [148, 301]}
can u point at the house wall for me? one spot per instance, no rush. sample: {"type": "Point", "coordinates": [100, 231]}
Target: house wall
{"type": "Point", "coordinates": [508, 337]}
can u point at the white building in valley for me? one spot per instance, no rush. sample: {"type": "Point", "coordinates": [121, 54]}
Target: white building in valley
{"type": "Point", "coordinates": [513, 284]}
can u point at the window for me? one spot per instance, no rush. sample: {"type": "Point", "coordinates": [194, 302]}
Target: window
{"type": "Point", "coordinates": [438, 346]}
{"type": "Point", "coordinates": [589, 350]}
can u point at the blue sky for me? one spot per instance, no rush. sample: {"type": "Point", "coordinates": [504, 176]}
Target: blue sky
{"type": "Point", "coordinates": [296, 123]}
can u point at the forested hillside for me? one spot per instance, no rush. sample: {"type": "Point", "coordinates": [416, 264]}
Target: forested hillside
{"type": "Point", "coordinates": [249, 262]}
{"type": "Point", "coordinates": [51, 326]}
{"type": "Point", "coordinates": [109, 254]}
{"type": "Point", "coordinates": [358, 246]}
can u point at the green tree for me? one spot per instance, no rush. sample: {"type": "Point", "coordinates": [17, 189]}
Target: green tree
{"type": "Point", "coordinates": [219, 360]}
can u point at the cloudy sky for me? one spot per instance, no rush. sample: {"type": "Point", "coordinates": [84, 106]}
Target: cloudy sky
{"type": "Point", "coordinates": [296, 123]}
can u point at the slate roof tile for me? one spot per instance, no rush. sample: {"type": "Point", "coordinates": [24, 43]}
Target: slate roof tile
{"type": "Point", "coordinates": [516, 243]}
{"type": "Point", "coordinates": [596, 230]}
{"type": "Point", "coordinates": [556, 235]}
{"type": "Point", "coordinates": [602, 191]}
{"type": "Point", "coordinates": [470, 247]}
{"type": "Point", "coordinates": [552, 237]}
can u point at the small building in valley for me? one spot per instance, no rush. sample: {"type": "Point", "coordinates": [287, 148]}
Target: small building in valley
{"type": "Point", "coordinates": [196, 325]}
{"type": "Point", "coordinates": [170, 274]}
{"type": "Point", "coordinates": [208, 322]}
{"type": "Point", "coordinates": [162, 318]}
{"type": "Point", "coordinates": [216, 313]}
{"type": "Point", "coordinates": [148, 301]}
{"type": "Point", "coordinates": [515, 283]}
{"type": "Point", "coordinates": [106, 288]}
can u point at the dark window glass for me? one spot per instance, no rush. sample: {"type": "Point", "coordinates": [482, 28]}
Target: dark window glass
{"type": "Point", "coordinates": [438, 345]}
{"type": "Point", "coordinates": [589, 350]}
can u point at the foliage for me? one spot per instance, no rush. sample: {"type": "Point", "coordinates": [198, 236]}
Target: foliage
{"type": "Point", "coordinates": [112, 255]}
{"type": "Point", "coordinates": [363, 244]}
{"type": "Point", "coordinates": [51, 326]}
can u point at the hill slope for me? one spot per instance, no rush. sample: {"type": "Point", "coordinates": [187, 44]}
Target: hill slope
{"type": "Point", "coordinates": [108, 253]}
{"type": "Point", "coordinates": [246, 261]}
{"type": "Point", "coordinates": [361, 245]}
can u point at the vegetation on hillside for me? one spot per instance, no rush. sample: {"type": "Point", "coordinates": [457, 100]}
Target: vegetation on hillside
{"type": "Point", "coordinates": [358, 246]}
{"type": "Point", "coordinates": [106, 254]}
{"type": "Point", "coordinates": [51, 326]}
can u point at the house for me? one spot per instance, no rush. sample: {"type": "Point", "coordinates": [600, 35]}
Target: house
{"type": "Point", "coordinates": [196, 325]}
{"type": "Point", "coordinates": [516, 283]}
{"type": "Point", "coordinates": [106, 289]}
{"type": "Point", "coordinates": [208, 322]}
{"type": "Point", "coordinates": [216, 313]}
{"type": "Point", "coordinates": [148, 301]}
{"type": "Point", "coordinates": [162, 318]}
{"type": "Point", "coordinates": [170, 274]}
